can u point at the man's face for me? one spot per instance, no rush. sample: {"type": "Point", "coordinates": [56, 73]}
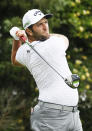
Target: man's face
{"type": "Point", "coordinates": [40, 30]}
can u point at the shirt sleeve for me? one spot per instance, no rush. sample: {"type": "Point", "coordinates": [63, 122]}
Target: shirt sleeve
{"type": "Point", "coordinates": [21, 55]}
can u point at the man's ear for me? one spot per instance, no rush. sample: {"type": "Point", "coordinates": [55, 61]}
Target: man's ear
{"type": "Point", "coordinates": [29, 32]}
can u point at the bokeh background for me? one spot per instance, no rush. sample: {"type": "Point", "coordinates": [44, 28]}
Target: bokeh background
{"type": "Point", "coordinates": [18, 91]}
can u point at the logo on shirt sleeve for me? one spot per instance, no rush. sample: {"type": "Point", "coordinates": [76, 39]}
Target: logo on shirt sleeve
{"type": "Point", "coordinates": [28, 51]}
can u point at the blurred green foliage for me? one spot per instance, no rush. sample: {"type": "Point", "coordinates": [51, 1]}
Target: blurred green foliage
{"type": "Point", "coordinates": [18, 91]}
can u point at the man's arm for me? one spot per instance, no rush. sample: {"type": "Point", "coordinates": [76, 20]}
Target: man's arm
{"type": "Point", "coordinates": [17, 34]}
{"type": "Point", "coordinates": [15, 46]}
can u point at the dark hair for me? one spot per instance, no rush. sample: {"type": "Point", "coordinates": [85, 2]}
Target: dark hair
{"type": "Point", "coordinates": [30, 27]}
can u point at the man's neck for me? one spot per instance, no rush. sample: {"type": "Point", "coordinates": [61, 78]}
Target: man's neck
{"type": "Point", "coordinates": [31, 39]}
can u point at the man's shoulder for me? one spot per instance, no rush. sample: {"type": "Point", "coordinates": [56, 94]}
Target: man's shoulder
{"type": "Point", "coordinates": [59, 36]}
{"type": "Point", "coordinates": [22, 54]}
{"type": "Point", "coordinates": [62, 39]}
{"type": "Point", "coordinates": [23, 47]}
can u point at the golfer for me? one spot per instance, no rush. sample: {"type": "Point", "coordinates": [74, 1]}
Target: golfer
{"type": "Point", "coordinates": [57, 108]}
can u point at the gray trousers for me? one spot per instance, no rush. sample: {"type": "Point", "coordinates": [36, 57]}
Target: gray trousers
{"type": "Point", "coordinates": [47, 119]}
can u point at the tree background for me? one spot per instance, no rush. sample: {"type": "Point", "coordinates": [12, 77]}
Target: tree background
{"type": "Point", "coordinates": [18, 91]}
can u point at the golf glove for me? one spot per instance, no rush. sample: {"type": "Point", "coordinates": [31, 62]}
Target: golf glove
{"type": "Point", "coordinates": [13, 32]}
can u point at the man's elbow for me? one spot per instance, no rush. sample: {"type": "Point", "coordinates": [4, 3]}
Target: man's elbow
{"type": "Point", "coordinates": [14, 62]}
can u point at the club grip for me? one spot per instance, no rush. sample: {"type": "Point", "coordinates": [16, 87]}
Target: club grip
{"type": "Point", "coordinates": [23, 38]}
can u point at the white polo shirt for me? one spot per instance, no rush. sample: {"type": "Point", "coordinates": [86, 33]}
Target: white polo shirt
{"type": "Point", "coordinates": [52, 87]}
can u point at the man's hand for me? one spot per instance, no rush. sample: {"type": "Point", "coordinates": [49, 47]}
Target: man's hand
{"type": "Point", "coordinates": [18, 34]}
{"type": "Point", "coordinates": [21, 34]}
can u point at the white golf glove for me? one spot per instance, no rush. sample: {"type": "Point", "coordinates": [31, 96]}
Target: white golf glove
{"type": "Point", "coordinates": [13, 31]}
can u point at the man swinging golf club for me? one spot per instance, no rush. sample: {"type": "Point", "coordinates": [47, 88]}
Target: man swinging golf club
{"type": "Point", "coordinates": [44, 55]}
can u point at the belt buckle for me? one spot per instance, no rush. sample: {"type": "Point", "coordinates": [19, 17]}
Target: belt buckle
{"type": "Point", "coordinates": [61, 108]}
{"type": "Point", "coordinates": [74, 109]}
